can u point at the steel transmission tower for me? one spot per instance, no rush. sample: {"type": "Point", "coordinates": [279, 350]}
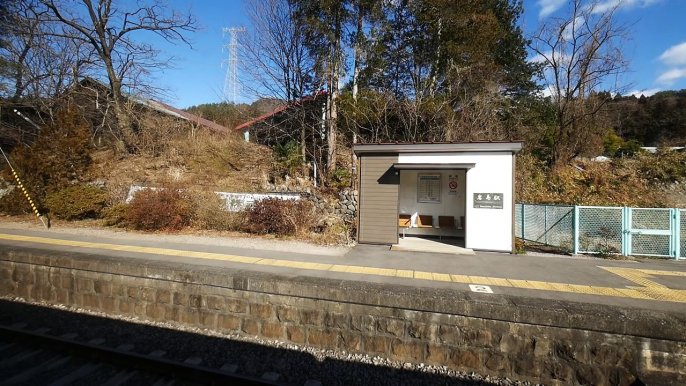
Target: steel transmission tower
{"type": "Point", "coordinates": [231, 90]}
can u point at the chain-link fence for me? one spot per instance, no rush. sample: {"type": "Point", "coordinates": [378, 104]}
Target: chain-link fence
{"type": "Point", "coordinates": [546, 224]}
{"type": "Point", "coordinates": [608, 230]}
{"type": "Point", "coordinates": [600, 229]}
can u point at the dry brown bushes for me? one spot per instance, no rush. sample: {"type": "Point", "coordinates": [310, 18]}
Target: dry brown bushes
{"type": "Point", "coordinates": [209, 212]}
{"type": "Point", "coordinates": [638, 182]}
{"type": "Point", "coordinates": [280, 217]}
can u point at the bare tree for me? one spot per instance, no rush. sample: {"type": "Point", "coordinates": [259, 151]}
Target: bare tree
{"type": "Point", "coordinates": [38, 64]}
{"type": "Point", "coordinates": [113, 32]}
{"type": "Point", "coordinates": [582, 53]}
{"type": "Point", "coordinates": [276, 59]}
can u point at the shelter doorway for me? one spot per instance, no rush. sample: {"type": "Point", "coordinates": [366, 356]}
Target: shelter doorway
{"type": "Point", "coordinates": [435, 201]}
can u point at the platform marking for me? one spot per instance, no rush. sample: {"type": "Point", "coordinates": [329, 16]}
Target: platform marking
{"type": "Point", "coordinates": [648, 287]}
{"type": "Point", "coordinates": [481, 288]}
{"type": "Point", "coordinates": [644, 289]}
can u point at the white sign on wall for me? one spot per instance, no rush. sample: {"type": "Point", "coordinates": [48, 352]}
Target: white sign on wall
{"type": "Point", "coordinates": [429, 187]}
{"type": "Point", "coordinates": [452, 185]}
{"type": "Point", "coordinates": [488, 200]}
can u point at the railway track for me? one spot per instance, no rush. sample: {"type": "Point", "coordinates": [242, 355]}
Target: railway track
{"type": "Point", "coordinates": [38, 358]}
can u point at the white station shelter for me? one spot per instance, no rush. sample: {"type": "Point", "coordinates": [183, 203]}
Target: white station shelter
{"type": "Point", "coordinates": [462, 191]}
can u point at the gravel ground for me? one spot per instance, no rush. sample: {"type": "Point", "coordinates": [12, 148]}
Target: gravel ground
{"type": "Point", "coordinates": [253, 355]}
{"type": "Point", "coordinates": [261, 243]}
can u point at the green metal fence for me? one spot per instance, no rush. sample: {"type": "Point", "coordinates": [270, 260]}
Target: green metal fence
{"type": "Point", "coordinates": [659, 232]}
{"type": "Point", "coordinates": [682, 239]}
{"type": "Point", "coordinates": [546, 224]}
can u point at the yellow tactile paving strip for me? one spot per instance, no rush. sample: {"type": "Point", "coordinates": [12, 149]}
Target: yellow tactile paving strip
{"type": "Point", "coordinates": [645, 288]}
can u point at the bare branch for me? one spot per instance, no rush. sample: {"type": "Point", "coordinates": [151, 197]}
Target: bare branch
{"type": "Point", "coordinates": [581, 52]}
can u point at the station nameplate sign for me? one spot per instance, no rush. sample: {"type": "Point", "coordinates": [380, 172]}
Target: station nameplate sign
{"type": "Point", "coordinates": [488, 200]}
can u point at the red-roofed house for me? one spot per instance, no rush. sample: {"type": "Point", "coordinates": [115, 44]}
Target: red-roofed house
{"type": "Point", "coordinates": [302, 119]}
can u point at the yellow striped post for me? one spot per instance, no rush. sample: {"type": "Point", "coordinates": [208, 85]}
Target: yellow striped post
{"type": "Point", "coordinates": [21, 186]}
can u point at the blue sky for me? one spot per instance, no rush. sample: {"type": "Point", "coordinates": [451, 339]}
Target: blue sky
{"type": "Point", "coordinates": [657, 50]}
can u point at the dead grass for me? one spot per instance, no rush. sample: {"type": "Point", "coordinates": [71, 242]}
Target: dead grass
{"type": "Point", "coordinates": [222, 162]}
{"type": "Point", "coordinates": [209, 212]}
{"type": "Point", "coordinates": [629, 182]}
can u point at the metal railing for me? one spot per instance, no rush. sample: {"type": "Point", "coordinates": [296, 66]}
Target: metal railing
{"type": "Point", "coordinates": [659, 232]}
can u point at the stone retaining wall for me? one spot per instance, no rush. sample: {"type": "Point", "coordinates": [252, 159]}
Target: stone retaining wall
{"type": "Point", "coordinates": [525, 339]}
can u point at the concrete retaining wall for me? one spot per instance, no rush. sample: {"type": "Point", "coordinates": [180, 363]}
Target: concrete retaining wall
{"type": "Point", "coordinates": [525, 339]}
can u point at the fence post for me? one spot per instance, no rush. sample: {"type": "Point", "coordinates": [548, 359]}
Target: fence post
{"type": "Point", "coordinates": [676, 233]}
{"type": "Point", "coordinates": [545, 224]}
{"type": "Point", "coordinates": [626, 231]}
{"type": "Point", "coordinates": [576, 229]}
{"type": "Point", "coordinates": [523, 222]}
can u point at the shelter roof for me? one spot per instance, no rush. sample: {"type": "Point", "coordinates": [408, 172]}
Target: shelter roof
{"type": "Point", "coordinates": [437, 147]}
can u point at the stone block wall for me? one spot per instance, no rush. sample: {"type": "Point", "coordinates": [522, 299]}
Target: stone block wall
{"type": "Point", "coordinates": [441, 327]}
{"type": "Point", "coordinates": [347, 205]}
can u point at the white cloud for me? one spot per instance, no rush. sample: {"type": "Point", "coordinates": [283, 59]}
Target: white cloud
{"type": "Point", "coordinates": [645, 92]}
{"type": "Point", "coordinates": [560, 58]}
{"type": "Point", "coordinates": [607, 5]}
{"type": "Point", "coordinates": [573, 28]}
{"type": "Point", "coordinates": [547, 91]}
{"type": "Point", "coordinates": [670, 76]}
{"type": "Point", "coordinates": [538, 58]}
{"type": "Point", "coordinates": [549, 6]}
{"type": "Point", "coordinates": [675, 55]}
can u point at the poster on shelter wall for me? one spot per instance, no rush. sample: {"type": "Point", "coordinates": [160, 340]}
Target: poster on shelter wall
{"type": "Point", "coordinates": [452, 185]}
{"type": "Point", "coordinates": [488, 200]}
{"type": "Point", "coordinates": [429, 188]}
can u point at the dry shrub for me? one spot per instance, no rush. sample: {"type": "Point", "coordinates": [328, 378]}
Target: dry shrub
{"type": "Point", "coordinates": [160, 209]}
{"type": "Point", "coordinates": [14, 203]}
{"type": "Point", "coordinates": [60, 155]}
{"type": "Point", "coordinates": [664, 167]}
{"type": "Point", "coordinates": [115, 216]}
{"type": "Point", "coordinates": [209, 212]}
{"type": "Point", "coordinates": [77, 203]}
{"type": "Point", "coordinates": [619, 182]}
{"type": "Point", "coordinates": [156, 132]}
{"type": "Point", "coordinates": [337, 232]}
{"type": "Point", "coordinates": [280, 217]}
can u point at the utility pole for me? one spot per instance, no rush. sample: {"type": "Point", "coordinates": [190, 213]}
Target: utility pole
{"type": "Point", "coordinates": [231, 91]}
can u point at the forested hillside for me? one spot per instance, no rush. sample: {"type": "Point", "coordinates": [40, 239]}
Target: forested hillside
{"type": "Point", "coordinates": [656, 120]}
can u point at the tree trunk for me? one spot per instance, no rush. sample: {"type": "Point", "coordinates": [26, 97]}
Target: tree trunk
{"type": "Point", "coordinates": [303, 143]}
{"type": "Point", "coordinates": [332, 131]}
{"type": "Point", "coordinates": [123, 119]}
{"type": "Point", "coordinates": [358, 51]}
{"type": "Point", "coordinates": [333, 95]}
{"type": "Point", "coordinates": [356, 75]}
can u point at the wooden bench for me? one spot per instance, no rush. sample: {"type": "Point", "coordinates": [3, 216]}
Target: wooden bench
{"type": "Point", "coordinates": [446, 222]}
{"type": "Point", "coordinates": [404, 222]}
{"type": "Point", "coordinates": [424, 221]}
